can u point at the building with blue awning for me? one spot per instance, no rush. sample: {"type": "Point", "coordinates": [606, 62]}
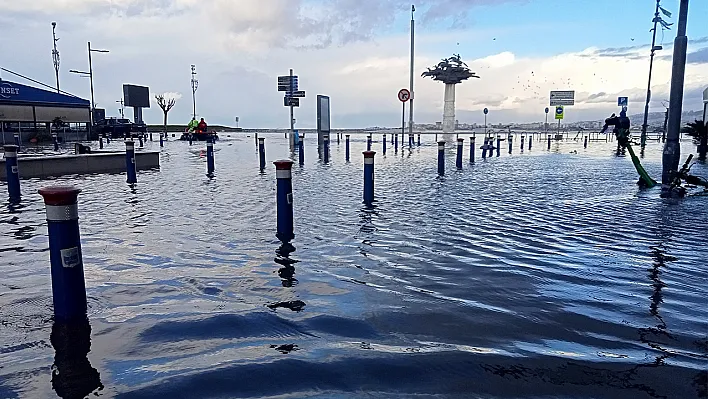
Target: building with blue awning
{"type": "Point", "coordinates": [34, 113]}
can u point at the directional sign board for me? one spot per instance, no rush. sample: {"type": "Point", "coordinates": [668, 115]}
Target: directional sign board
{"type": "Point", "coordinates": [559, 97]}
{"type": "Point", "coordinates": [622, 101]}
{"type": "Point", "coordinates": [559, 112]}
{"type": "Point", "coordinates": [404, 95]}
{"type": "Point", "coordinates": [288, 101]}
{"type": "Point", "coordinates": [299, 93]}
{"type": "Point", "coordinates": [287, 83]}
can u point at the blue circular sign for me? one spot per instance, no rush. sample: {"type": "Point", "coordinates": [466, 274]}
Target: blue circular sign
{"type": "Point", "coordinates": [559, 110]}
{"type": "Point", "coordinates": [546, 109]}
{"type": "Point", "coordinates": [486, 111]}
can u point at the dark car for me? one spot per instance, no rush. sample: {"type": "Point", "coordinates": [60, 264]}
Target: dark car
{"type": "Point", "coordinates": [117, 128]}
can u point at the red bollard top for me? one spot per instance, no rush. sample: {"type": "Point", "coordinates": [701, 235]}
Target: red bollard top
{"type": "Point", "coordinates": [59, 195]}
{"type": "Point", "coordinates": [369, 154]}
{"type": "Point", "coordinates": [283, 164]}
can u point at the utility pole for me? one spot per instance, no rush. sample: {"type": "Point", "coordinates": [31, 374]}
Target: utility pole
{"type": "Point", "coordinates": [55, 53]}
{"type": "Point", "coordinates": [292, 113]}
{"type": "Point", "coordinates": [672, 148]}
{"type": "Point", "coordinates": [657, 19]}
{"type": "Point", "coordinates": [195, 86]}
{"type": "Point", "coordinates": [410, 107]}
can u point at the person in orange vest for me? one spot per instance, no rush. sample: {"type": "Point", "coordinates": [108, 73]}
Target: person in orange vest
{"type": "Point", "coordinates": [202, 126]}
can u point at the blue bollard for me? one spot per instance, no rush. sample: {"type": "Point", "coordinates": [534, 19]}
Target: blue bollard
{"type": "Point", "coordinates": [392, 134]}
{"type": "Point", "coordinates": [498, 145]}
{"type": "Point", "coordinates": [530, 140]}
{"type": "Point", "coordinates": [369, 177]}
{"type": "Point", "coordinates": [511, 144]}
{"type": "Point", "coordinates": [210, 155]}
{"type": "Point", "coordinates": [346, 144]}
{"type": "Point", "coordinates": [384, 143]}
{"type": "Point", "coordinates": [338, 135]}
{"type": "Point", "coordinates": [460, 144]}
{"type": "Point", "coordinates": [586, 142]}
{"type": "Point", "coordinates": [17, 141]}
{"type": "Point", "coordinates": [301, 148]}
{"type": "Point", "coordinates": [261, 153]}
{"type": "Point", "coordinates": [418, 139]}
{"type": "Point", "coordinates": [549, 141]}
{"type": "Point", "coordinates": [522, 142]}
{"type": "Point", "coordinates": [325, 140]}
{"type": "Point", "coordinates": [284, 197]}
{"type": "Point", "coordinates": [56, 142]}
{"type": "Point", "coordinates": [130, 162]}
{"type": "Point", "coordinates": [12, 172]}
{"type": "Point", "coordinates": [67, 268]}
{"type": "Point", "coordinates": [441, 158]}
{"type": "Point", "coordinates": [368, 143]}
{"type": "Point", "coordinates": [162, 141]}
{"type": "Point", "coordinates": [484, 148]}
{"type": "Point", "coordinates": [472, 140]}
{"type": "Point", "coordinates": [395, 143]}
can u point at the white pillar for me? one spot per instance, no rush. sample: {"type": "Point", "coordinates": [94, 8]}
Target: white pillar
{"type": "Point", "coordinates": [449, 109]}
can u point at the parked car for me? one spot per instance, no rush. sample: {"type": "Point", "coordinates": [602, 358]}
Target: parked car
{"type": "Point", "coordinates": [117, 128]}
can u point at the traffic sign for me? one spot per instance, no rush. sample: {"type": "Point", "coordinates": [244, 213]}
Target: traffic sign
{"type": "Point", "coordinates": [486, 111]}
{"type": "Point", "coordinates": [286, 79]}
{"type": "Point", "coordinates": [559, 112]}
{"type": "Point", "coordinates": [546, 109]}
{"type": "Point", "coordinates": [622, 101]}
{"type": "Point", "coordinates": [288, 101]}
{"type": "Point", "coordinates": [404, 95]}
{"type": "Point", "coordinates": [562, 97]}
{"type": "Point", "coordinates": [299, 93]}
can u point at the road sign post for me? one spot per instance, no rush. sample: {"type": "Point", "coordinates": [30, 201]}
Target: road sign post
{"type": "Point", "coordinates": [486, 111]}
{"type": "Point", "coordinates": [403, 96]}
{"type": "Point", "coordinates": [289, 84]}
{"type": "Point", "coordinates": [559, 116]}
{"type": "Point", "coordinates": [562, 97]}
{"type": "Point", "coordinates": [545, 126]}
{"type": "Point", "coordinates": [622, 101]}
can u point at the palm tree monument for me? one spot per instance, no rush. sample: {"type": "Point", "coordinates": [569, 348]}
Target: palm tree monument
{"type": "Point", "coordinates": [450, 71]}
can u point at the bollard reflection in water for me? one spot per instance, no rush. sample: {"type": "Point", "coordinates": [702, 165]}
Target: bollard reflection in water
{"type": "Point", "coordinates": [73, 376]}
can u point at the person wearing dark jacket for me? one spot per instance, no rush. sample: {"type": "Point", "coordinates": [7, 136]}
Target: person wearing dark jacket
{"type": "Point", "coordinates": [202, 126]}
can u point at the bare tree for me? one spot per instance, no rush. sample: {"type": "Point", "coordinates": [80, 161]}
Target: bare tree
{"type": "Point", "coordinates": [166, 106]}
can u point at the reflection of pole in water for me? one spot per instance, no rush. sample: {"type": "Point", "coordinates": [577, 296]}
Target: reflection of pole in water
{"type": "Point", "coordinates": [72, 373]}
{"type": "Point", "coordinates": [287, 271]}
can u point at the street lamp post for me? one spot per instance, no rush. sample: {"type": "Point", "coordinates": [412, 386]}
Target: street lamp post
{"type": "Point", "coordinates": [90, 75]}
{"type": "Point", "coordinates": [657, 19]}
{"type": "Point", "coordinates": [195, 86]}
{"type": "Point", "coordinates": [410, 107]}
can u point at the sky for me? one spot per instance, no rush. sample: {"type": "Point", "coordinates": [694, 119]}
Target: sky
{"type": "Point", "coordinates": [357, 52]}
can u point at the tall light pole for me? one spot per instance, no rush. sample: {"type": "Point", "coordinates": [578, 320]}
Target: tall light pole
{"type": "Point", "coordinates": [195, 86]}
{"type": "Point", "coordinates": [410, 107]}
{"type": "Point", "coordinates": [90, 75]}
{"type": "Point", "coordinates": [672, 148]}
{"type": "Point", "coordinates": [657, 19]}
{"type": "Point", "coordinates": [55, 53]}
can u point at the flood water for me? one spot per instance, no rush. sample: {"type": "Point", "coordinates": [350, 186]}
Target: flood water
{"type": "Point", "coordinates": [546, 274]}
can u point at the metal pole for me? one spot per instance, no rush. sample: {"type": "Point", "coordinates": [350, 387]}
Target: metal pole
{"type": "Point", "coordinates": [485, 125]}
{"type": "Point", "coordinates": [651, 64]}
{"type": "Point", "coordinates": [93, 104]}
{"type": "Point", "coordinates": [672, 148]}
{"type": "Point", "coordinates": [403, 122]}
{"type": "Point", "coordinates": [410, 108]}
{"type": "Point", "coordinates": [55, 54]}
{"type": "Point", "coordinates": [292, 113]}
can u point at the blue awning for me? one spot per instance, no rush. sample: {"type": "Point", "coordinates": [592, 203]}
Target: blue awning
{"type": "Point", "coordinates": [12, 93]}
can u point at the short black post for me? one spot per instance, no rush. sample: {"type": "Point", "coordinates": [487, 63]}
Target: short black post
{"type": "Point", "coordinates": [418, 139]}
{"type": "Point", "coordinates": [284, 196]}
{"type": "Point", "coordinates": [100, 143]}
{"type": "Point", "coordinates": [441, 158]}
{"type": "Point", "coordinates": [150, 136]}
{"type": "Point", "coordinates": [325, 140]}
{"type": "Point", "coordinates": [368, 143]}
{"type": "Point", "coordinates": [498, 145]}
{"type": "Point", "coordinates": [162, 140]}
{"type": "Point", "coordinates": [130, 162]}
{"type": "Point", "coordinates": [586, 142]}
{"type": "Point", "coordinates": [261, 153]}
{"type": "Point", "coordinates": [530, 140]}
{"type": "Point", "coordinates": [523, 138]}
{"type": "Point", "coordinates": [460, 144]}
{"type": "Point", "coordinates": [395, 143]}
{"type": "Point", "coordinates": [472, 140]}
{"type": "Point", "coordinates": [369, 177]}
{"type": "Point", "coordinates": [549, 141]}
{"type": "Point", "coordinates": [67, 267]}
{"type": "Point", "coordinates": [12, 172]}
{"type": "Point", "coordinates": [511, 139]}
{"type": "Point", "coordinates": [384, 143]}
{"type": "Point", "coordinates": [140, 140]}
{"type": "Point", "coordinates": [484, 148]}
{"type": "Point", "coordinates": [210, 154]}
{"type": "Point", "coordinates": [301, 148]}
{"type": "Point", "coordinates": [346, 145]}
{"type": "Point", "coordinates": [56, 142]}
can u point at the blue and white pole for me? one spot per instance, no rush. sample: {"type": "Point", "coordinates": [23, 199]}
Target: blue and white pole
{"type": "Point", "coordinates": [346, 145]}
{"type": "Point", "coordinates": [284, 187]}
{"type": "Point", "coordinates": [12, 172]}
{"type": "Point", "coordinates": [261, 153]}
{"type": "Point", "coordinates": [472, 140]}
{"type": "Point", "coordinates": [162, 140]}
{"type": "Point", "coordinates": [441, 158]}
{"type": "Point", "coordinates": [498, 145]}
{"type": "Point", "coordinates": [56, 142]}
{"type": "Point", "coordinates": [549, 141]}
{"type": "Point", "coordinates": [460, 145]}
{"type": "Point", "coordinates": [369, 177]}
{"type": "Point", "coordinates": [384, 143]}
{"type": "Point", "coordinates": [325, 141]}
{"type": "Point", "coordinates": [210, 154]}
{"type": "Point", "coordinates": [301, 148]}
{"type": "Point", "coordinates": [130, 162]}
{"type": "Point", "coordinates": [586, 142]}
{"type": "Point", "coordinates": [17, 141]}
{"type": "Point", "coordinates": [67, 267]}
{"type": "Point", "coordinates": [368, 143]}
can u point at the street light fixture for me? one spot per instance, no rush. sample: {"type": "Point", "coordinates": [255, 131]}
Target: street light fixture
{"type": "Point", "coordinates": [90, 75]}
